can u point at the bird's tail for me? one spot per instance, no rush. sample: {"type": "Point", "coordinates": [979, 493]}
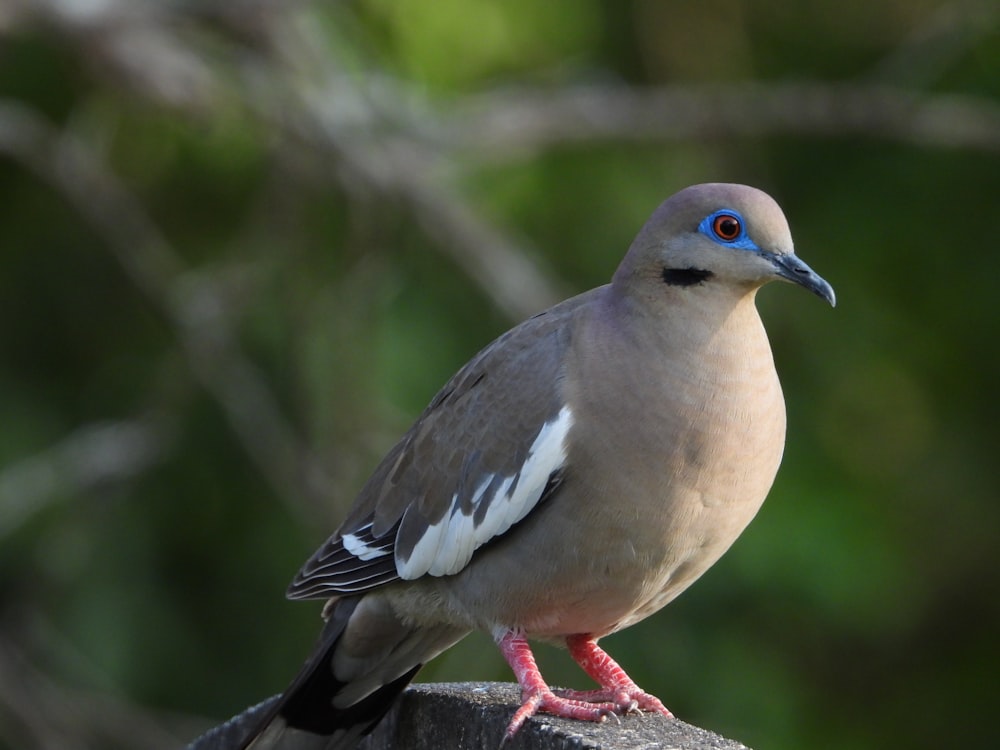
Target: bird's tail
{"type": "Point", "coordinates": [365, 657]}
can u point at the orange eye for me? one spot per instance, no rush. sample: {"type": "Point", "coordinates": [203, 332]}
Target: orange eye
{"type": "Point", "coordinates": [726, 227]}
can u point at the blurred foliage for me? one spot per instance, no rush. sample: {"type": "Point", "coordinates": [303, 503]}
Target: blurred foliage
{"type": "Point", "coordinates": [196, 377]}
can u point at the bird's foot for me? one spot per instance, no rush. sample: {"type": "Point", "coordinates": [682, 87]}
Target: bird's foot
{"type": "Point", "coordinates": [616, 686]}
{"type": "Point", "coordinates": [544, 700]}
{"type": "Point", "coordinates": [536, 696]}
{"type": "Point", "coordinates": [626, 699]}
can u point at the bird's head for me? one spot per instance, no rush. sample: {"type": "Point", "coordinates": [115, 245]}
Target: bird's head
{"type": "Point", "coordinates": [728, 237]}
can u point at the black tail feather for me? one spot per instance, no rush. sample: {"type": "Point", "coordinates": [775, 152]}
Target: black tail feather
{"type": "Point", "coordinates": [309, 707]}
{"type": "Point", "coordinates": [307, 704]}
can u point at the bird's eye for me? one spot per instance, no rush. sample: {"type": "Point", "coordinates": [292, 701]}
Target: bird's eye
{"type": "Point", "coordinates": [726, 227]}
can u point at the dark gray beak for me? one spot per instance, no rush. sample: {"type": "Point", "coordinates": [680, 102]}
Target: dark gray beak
{"type": "Point", "coordinates": [791, 268]}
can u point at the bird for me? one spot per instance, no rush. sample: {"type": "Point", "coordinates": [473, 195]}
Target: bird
{"type": "Point", "coordinates": [570, 480]}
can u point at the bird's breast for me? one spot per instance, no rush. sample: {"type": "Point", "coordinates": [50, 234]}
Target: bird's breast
{"type": "Point", "coordinates": [668, 472]}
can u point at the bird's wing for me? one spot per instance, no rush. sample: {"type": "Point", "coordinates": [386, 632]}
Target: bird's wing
{"type": "Point", "coordinates": [489, 447]}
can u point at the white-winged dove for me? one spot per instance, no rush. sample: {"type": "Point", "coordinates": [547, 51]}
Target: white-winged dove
{"type": "Point", "coordinates": [573, 478]}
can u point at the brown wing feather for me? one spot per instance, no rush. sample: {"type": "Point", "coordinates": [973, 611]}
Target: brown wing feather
{"type": "Point", "coordinates": [479, 425]}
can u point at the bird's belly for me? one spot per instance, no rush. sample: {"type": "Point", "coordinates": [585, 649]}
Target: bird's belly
{"type": "Point", "coordinates": [653, 537]}
{"type": "Point", "coordinates": [594, 584]}
{"type": "Point", "coordinates": [640, 575]}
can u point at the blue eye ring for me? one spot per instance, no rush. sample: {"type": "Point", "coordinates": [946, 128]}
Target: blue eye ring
{"type": "Point", "coordinates": [727, 228]}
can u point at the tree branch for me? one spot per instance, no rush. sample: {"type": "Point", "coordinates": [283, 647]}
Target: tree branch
{"type": "Point", "coordinates": [499, 126]}
{"type": "Point", "coordinates": [194, 311]}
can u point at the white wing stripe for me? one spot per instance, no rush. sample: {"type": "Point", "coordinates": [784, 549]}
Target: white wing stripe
{"type": "Point", "coordinates": [457, 544]}
{"type": "Point", "coordinates": [363, 549]}
{"type": "Point", "coordinates": [447, 546]}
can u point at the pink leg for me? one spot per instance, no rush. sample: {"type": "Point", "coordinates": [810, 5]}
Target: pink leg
{"type": "Point", "coordinates": [536, 695]}
{"type": "Point", "coordinates": [616, 686]}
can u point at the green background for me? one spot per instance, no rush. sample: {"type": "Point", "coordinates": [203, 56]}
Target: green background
{"type": "Point", "coordinates": [243, 243]}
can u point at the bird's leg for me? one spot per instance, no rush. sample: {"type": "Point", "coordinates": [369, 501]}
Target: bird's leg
{"type": "Point", "coordinates": [536, 695]}
{"type": "Point", "coordinates": [616, 686]}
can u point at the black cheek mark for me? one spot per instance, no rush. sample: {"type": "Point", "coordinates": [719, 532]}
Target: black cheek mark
{"type": "Point", "coordinates": [685, 276]}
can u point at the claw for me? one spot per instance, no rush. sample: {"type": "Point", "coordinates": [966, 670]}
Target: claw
{"type": "Point", "coordinates": [625, 701]}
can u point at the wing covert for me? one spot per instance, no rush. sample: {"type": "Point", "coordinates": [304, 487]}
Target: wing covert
{"type": "Point", "coordinates": [489, 447]}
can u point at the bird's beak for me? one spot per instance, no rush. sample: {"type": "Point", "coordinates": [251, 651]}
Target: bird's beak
{"type": "Point", "coordinates": [791, 268]}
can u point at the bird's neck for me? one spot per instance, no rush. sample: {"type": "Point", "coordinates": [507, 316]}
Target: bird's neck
{"type": "Point", "coordinates": [699, 320]}
{"type": "Point", "coordinates": [713, 356]}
